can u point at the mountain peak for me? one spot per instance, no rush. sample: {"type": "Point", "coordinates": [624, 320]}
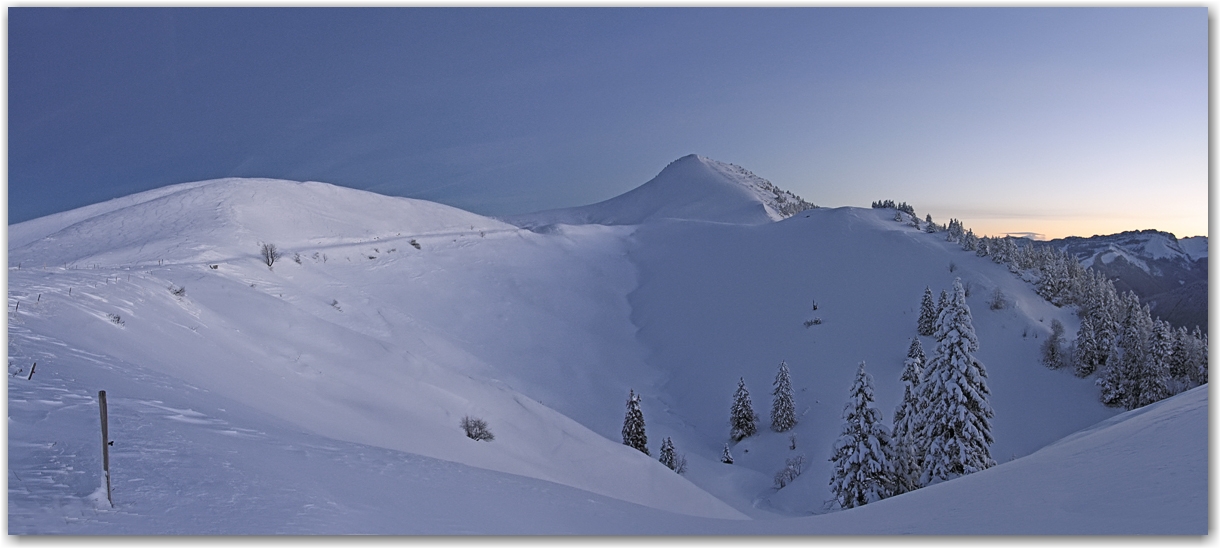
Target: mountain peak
{"type": "Point", "coordinates": [693, 188]}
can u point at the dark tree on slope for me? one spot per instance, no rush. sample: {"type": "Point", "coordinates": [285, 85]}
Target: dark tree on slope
{"type": "Point", "coordinates": [862, 470]}
{"type": "Point", "coordinates": [927, 314]}
{"type": "Point", "coordinates": [1052, 348]}
{"type": "Point", "coordinates": [783, 408]}
{"type": "Point", "coordinates": [269, 253]}
{"type": "Point", "coordinates": [957, 420]}
{"type": "Point", "coordinates": [633, 425]}
{"type": "Point", "coordinates": [742, 417]}
{"type": "Point", "coordinates": [907, 423]}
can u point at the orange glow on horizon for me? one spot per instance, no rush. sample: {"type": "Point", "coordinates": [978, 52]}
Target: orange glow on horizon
{"type": "Point", "coordinates": [1050, 228]}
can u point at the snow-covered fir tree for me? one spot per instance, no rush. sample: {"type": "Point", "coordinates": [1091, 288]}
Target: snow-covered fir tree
{"type": "Point", "coordinates": [907, 421]}
{"type": "Point", "coordinates": [1121, 382]}
{"type": "Point", "coordinates": [783, 408]}
{"type": "Point", "coordinates": [726, 456]}
{"type": "Point", "coordinates": [667, 453]}
{"type": "Point", "coordinates": [1188, 363]}
{"type": "Point", "coordinates": [633, 425]}
{"type": "Point", "coordinates": [862, 471]}
{"type": "Point", "coordinates": [940, 306]}
{"type": "Point", "coordinates": [742, 418]}
{"type": "Point", "coordinates": [1179, 361]}
{"type": "Point", "coordinates": [1153, 382]}
{"type": "Point", "coordinates": [956, 434]}
{"type": "Point", "coordinates": [1200, 370]}
{"type": "Point", "coordinates": [927, 314]}
{"type": "Point", "coordinates": [1087, 355]}
{"type": "Point", "coordinates": [1198, 358]}
{"type": "Point", "coordinates": [1052, 348]}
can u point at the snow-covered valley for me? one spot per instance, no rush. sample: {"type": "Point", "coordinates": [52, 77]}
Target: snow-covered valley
{"type": "Point", "coordinates": [323, 394]}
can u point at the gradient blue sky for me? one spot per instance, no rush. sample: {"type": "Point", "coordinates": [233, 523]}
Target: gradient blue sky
{"type": "Point", "coordinates": [1048, 120]}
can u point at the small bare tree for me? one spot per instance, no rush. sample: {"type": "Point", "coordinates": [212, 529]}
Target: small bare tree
{"type": "Point", "coordinates": [270, 254]}
{"type": "Point", "coordinates": [792, 468]}
{"type": "Point", "coordinates": [476, 429]}
{"type": "Point", "coordinates": [998, 299]}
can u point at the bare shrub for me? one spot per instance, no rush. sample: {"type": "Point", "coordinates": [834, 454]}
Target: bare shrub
{"type": "Point", "coordinates": [792, 468]}
{"type": "Point", "coordinates": [270, 254]}
{"type": "Point", "coordinates": [476, 429]}
{"type": "Point", "coordinates": [178, 291]}
{"type": "Point", "coordinates": [998, 300]}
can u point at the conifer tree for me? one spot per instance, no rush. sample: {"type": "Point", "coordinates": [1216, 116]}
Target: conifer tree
{"type": "Point", "coordinates": [907, 421]}
{"type": "Point", "coordinates": [1087, 355]}
{"type": "Point", "coordinates": [742, 417]}
{"type": "Point", "coordinates": [726, 456]}
{"type": "Point", "coordinates": [633, 425]}
{"type": "Point", "coordinates": [783, 408]}
{"type": "Point", "coordinates": [1121, 382]}
{"type": "Point", "coordinates": [862, 471]}
{"type": "Point", "coordinates": [1201, 371]}
{"type": "Point", "coordinates": [1052, 347]}
{"type": "Point", "coordinates": [956, 434]}
{"type": "Point", "coordinates": [927, 314]}
{"type": "Point", "coordinates": [1152, 384]}
{"type": "Point", "coordinates": [940, 306]}
{"type": "Point", "coordinates": [1179, 361]}
{"type": "Point", "coordinates": [667, 453]}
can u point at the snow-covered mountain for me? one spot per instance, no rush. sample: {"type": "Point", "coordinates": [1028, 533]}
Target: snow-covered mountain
{"type": "Point", "coordinates": [1168, 274]}
{"type": "Point", "coordinates": [690, 188]}
{"type": "Point", "coordinates": [323, 394]}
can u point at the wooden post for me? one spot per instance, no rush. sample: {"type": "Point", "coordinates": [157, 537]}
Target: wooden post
{"type": "Point", "coordinates": [101, 397]}
{"type": "Point", "coordinates": [32, 371]}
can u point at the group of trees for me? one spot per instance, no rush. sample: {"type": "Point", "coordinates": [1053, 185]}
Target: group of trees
{"type": "Point", "coordinates": [635, 436]}
{"type": "Point", "coordinates": [743, 421]}
{"type": "Point", "coordinates": [889, 204]}
{"type": "Point", "coordinates": [1138, 359]}
{"type": "Point", "coordinates": [942, 428]}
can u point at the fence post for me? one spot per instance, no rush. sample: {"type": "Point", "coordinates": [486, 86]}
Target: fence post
{"type": "Point", "coordinates": [101, 397]}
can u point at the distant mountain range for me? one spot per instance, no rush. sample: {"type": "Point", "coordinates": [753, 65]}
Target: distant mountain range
{"type": "Point", "coordinates": [1167, 273]}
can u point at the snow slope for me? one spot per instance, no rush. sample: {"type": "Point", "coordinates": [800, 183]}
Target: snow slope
{"type": "Point", "coordinates": [692, 188]}
{"type": "Point", "coordinates": [367, 341]}
{"type": "Point", "coordinates": [323, 396]}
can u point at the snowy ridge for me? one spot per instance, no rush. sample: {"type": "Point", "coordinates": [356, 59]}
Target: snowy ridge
{"type": "Point", "coordinates": [1195, 247]}
{"type": "Point", "coordinates": [689, 188]}
{"type": "Point", "coordinates": [211, 220]}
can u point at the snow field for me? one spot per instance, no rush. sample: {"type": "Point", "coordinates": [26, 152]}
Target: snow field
{"type": "Point", "coordinates": [323, 396]}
